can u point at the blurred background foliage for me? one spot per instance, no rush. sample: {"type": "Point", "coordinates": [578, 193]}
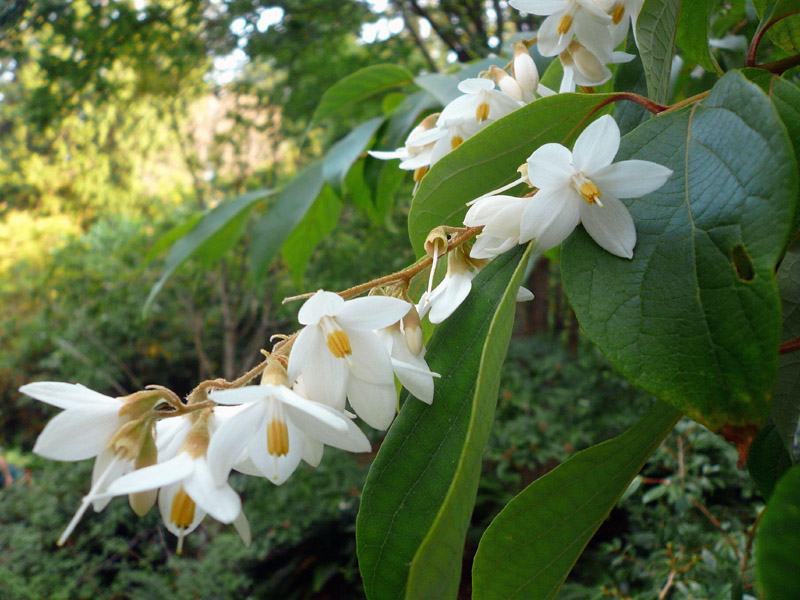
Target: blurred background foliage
{"type": "Point", "coordinates": [122, 123]}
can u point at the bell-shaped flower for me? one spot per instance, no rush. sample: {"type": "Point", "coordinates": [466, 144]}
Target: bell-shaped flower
{"type": "Point", "coordinates": [339, 354]}
{"type": "Point", "coordinates": [584, 67]}
{"type": "Point", "coordinates": [273, 426]}
{"type": "Point", "coordinates": [583, 186]}
{"type": "Point", "coordinates": [187, 490]}
{"type": "Point", "coordinates": [525, 73]}
{"type": "Point", "coordinates": [583, 18]}
{"type": "Point", "coordinates": [443, 300]}
{"type": "Point", "coordinates": [405, 344]}
{"type": "Point", "coordinates": [415, 155]}
{"type": "Point", "coordinates": [624, 14]}
{"type": "Point", "coordinates": [501, 218]}
{"type": "Point", "coordinates": [92, 425]}
{"type": "Point", "coordinates": [481, 103]}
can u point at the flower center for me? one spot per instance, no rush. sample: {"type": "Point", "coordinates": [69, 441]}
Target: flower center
{"type": "Point", "coordinates": [182, 511]}
{"type": "Point", "coordinates": [619, 12]}
{"type": "Point", "coordinates": [277, 430]}
{"type": "Point", "coordinates": [482, 112]}
{"type": "Point", "coordinates": [587, 189]}
{"type": "Point", "coordinates": [338, 342]}
{"type": "Point", "coordinates": [564, 23]}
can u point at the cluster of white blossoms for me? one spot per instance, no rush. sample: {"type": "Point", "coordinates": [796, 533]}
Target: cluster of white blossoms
{"type": "Point", "coordinates": [154, 446]}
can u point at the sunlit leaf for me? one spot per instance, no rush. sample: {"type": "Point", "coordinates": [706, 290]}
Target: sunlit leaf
{"type": "Point", "coordinates": [540, 534]}
{"type": "Point", "coordinates": [360, 85]}
{"type": "Point", "coordinates": [346, 151]}
{"type": "Point", "coordinates": [419, 494]}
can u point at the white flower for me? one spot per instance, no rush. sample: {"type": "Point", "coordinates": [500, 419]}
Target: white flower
{"type": "Point", "coordinates": [405, 344]}
{"type": "Point", "coordinates": [451, 291]}
{"type": "Point", "coordinates": [187, 488]}
{"type": "Point", "coordinates": [451, 138]}
{"type": "Point", "coordinates": [583, 67]}
{"type": "Point", "coordinates": [84, 430]}
{"type": "Point", "coordinates": [501, 217]}
{"type": "Point", "coordinates": [481, 103]}
{"type": "Point", "coordinates": [415, 155]}
{"type": "Point", "coordinates": [524, 71]}
{"type": "Point", "coordinates": [584, 18]}
{"type": "Point", "coordinates": [273, 427]}
{"type": "Point", "coordinates": [583, 186]}
{"type": "Point", "coordinates": [620, 10]}
{"type": "Point", "coordinates": [339, 354]}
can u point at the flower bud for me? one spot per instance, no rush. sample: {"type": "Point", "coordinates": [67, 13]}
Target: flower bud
{"type": "Point", "coordinates": [412, 330]}
{"type": "Point", "coordinates": [524, 70]}
{"type": "Point", "coordinates": [507, 84]}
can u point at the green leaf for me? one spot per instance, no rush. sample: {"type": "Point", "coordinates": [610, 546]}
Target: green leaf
{"type": "Point", "coordinates": [171, 236]}
{"type": "Point", "coordinates": [694, 31]}
{"type": "Point", "coordinates": [539, 535]}
{"type": "Point", "coordinates": [656, 32]}
{"type": "Point", "coordinates": [319, 221]}
{"type": "Point", "coordinates": [290, 206]}
{"type": "Point", "coordinates": [786, 32]}
{"type": "Point", "coordinates": [442, 86]}
{"type": "Point", "coordinates": [209, 235]}
{"type": "Point", "coordinates": [346, 151]}
{"type": "Point", "coordinates": [491, 157]}
{"type": "Point", "coordinates": [778, 540]}
{"type": "Point", "coordinates": [786, 394]}
{"type": "Point", "coordinates": [360, 85]}
{"type": "Point", "coordinates": [419, 494]}
{"type": "Point", "coordinates": [786, 98]}
{"type": "Point", "coordinates": [768, 459]}
{"type": "Point", "coordinates": [630, 78]}
{"type": "Point", "coordinates": [694, 317]}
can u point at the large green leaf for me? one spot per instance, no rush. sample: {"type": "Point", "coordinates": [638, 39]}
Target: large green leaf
{"type": "Point", "coordinates": [656, 33]}
{"type": "Point", "coordinates": [291, 205]}
{"type": "Point", "coordinates": [786, 98]}
{"type": "Point", "coordinates": [539, 535]}
{"type": "Point", "coordinates": [320, 220]}
{"type": "Point", "coordinates": [214, 234]}
{"type": "Point", "coordinates": [491, 158]}
{"type": "Point", "coordinates": [786, 395]}
{"type": "Point", "coordinates": [694, 317]}
{"type": "Point", "coordinates": [419, 494]}
{"type": "Point", "coordinates": [768, 459]}
{"type": "Point", "coordinates": [778, 541]}
{"type": "Point", "coordinates": [358, 86]}
{"type": "Point", "coordinates": [694, 31]}
{"type": "Point", "coordinates": [786, 32]}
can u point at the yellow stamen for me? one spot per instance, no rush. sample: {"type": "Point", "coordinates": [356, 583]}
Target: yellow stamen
{"type": "Point", "coordinates": [457, 140]}
{"type": "Point", "coordinates": [482, 112]}
{"type": "Point", "coordinates": [619, 12]}
{"type": "Point", "coordinates": [564, 23]}
{"type": "Point", "coordinates": [277, 438]}
{"type": "Point", "coordinates": [589, 192]}
{"type": "Point", "coordinates": [182, 511]}
{"type": "Point", "coordinates": [419, 174]}
{"type": "Point", "coordinates": [339, 343]}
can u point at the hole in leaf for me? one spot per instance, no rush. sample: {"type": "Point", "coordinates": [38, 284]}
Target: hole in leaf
{"type": "Point", "coordinates": [741, 260]}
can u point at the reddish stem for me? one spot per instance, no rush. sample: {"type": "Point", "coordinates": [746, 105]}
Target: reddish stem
{"type": "Point", "coordinates": [753, 50]}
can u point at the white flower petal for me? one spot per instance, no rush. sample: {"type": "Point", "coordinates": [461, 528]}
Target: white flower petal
{"type": "Point", "coordinates": [229, 441]}
{"type": "Point", "coordinates": [449, 295]}
{"type": "Point", "coordinates": [596, 146]}
{"type": "Point", "coordinates": [539, 7]}
{"type": "Point", "coordinates": [416, 378]}
{"type": "Point", "coordinates": [550, 166]}
{"type": "Point", "coordinates": [313, 451]}
{"type": "Point", "coordinates": [475, 85]}
{"type": "Point", "coordinates": [549, 41]}
{"type": "Point", "coordinates": [550, 217]}
{"type": "Point", "coordinates": [370, 359]}
{"type": "Point", "coordinates": [78, 433]}
{"type": "Point", "coordinates": [389, 154]}
{"type": "Point", "coordinates": [489, 246]}
{"type": "Point", "coordinates": [311, 416]}
{"type": "Point", "coordinates": [610, 225]}
{"type": "Point", "coordinates": [324, 375]}
{"type": "Point", "coordinates": [156, 476]}
{"type": "Point", "coordinates": [170, 434]}
{"type": "Point", "coordinates": [594, 36]}
{"type": "Point", "coordinates": [485, 208]}
{"type": "Point", "coordinates": [67, 395]}
{"type": "Point", "coordinates": [631, 178]}
{"type": "Point", "coordinates": [524, 294]}
{"type": "Point", "coordinates": [243, 528]}
{"type": "Point", "coordinates": [372, 312]}
{"type": "Point", "coordinates": [242, 395]}
{"type": "Point", "coordinates": [375, 404]}
{"type": "Point", "coordinates": [349, 437]}
{"type": "Point", "coordinates": [118, 468]}
{"type": "Point", "coordinates": [220, 501]}
{"type": "Point", "coordinates": [319, 305]}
